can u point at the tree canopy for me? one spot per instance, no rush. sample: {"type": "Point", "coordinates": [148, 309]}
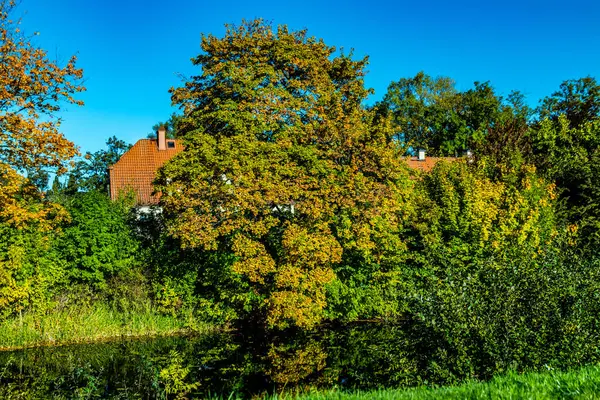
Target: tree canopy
{"type": "Point", "coordinates": [283, 166]}
{"type": "Point", "coordinates": [32, 90]}
{"type": "Point", "coordinates": [577, 99]}
{"type": "Point", "coordinates": [430, 113]}
{"type": "Point", "coordinates": [91, 172]}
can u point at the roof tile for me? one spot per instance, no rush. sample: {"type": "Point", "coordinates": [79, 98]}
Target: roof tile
{"type": "Point", "coordinates": [136, 170]}
{"type": "Point", "coordinates": [427, 164]}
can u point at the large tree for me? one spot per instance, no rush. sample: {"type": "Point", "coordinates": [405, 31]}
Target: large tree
{"type": "Point", "coordinates": [32, 90]}
{"type": "Point", "coordinates": [430, 113]}
{"type": "Point", "coordinates": [423, 109]}
{"type": "Point", "coordinates": [577, 99]}
{"type": "Point", "coordinates": [91, 172]}
{"type": "Point", "coordinates": [283, 167]}
{"type": "Point", "coordinates": [566, 145]}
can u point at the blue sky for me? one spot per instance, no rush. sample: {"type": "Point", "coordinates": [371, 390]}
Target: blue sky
{"type": "Point", "coordinates": [132, 52]}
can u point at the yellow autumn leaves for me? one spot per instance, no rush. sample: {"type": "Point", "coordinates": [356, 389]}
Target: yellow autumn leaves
{"type": "Point", "coordinates": [32, 89]}
{"type": "Point", "coordinates": [283, 167]}
{"type": "Point", "coordinates": [31, 86]}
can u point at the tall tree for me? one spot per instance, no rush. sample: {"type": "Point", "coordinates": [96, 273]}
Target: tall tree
{"type": "Point", "coordinates": [91, 173]}
{"type": "Point", "coordinates": [430, 113]}
{"type": "Point", "coordinates": [32, 90]}
{"type": "Point", "coordinates": [577, 99]}
{"type": "Point", "coordinates": [170, 126]}
{"type": "Point", "coordinates": [422, 107]}
{"type": "Point", "coordinates": [282, 168]}
{"type": "Point", "coordinates": [479, 110]}
{"type": "Point", "coordinates": [506, 144]}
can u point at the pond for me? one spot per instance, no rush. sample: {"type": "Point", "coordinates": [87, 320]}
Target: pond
{"type": "Point", "coordinates": [245, 363]}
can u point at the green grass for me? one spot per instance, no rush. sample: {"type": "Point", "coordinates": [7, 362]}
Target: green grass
{"type": "Point", "coordinates": [577, 384]}
{"type": "Point", "coordinates": [96, 323]}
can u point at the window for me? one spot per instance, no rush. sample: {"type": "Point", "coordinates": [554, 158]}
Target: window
{"type": "Point", "coordinates": [170, 144]}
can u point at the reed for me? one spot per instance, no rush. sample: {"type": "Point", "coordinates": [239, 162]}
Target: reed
{"type": "Point", "coordinates": [99, 322]}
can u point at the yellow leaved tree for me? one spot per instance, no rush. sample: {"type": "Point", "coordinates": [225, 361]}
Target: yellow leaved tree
{"type": "Point", "coordinates": [283, 167]}
{"type": "Point", "coordinates": [32, 88]}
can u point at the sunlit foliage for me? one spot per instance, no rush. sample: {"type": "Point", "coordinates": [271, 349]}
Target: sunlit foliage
{"type": "Point", "coordinates": [32, 89]}
{"type": "Point", "coordinates": [283, 166]}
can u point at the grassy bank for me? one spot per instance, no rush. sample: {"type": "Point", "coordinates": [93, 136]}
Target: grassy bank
{"type": "Point", "coordinates": [577, 384]}
{"type": "Point", "coordinates": [97, 323]}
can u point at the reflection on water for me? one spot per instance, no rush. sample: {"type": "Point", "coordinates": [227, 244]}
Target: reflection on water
{"type": "Point", "coordinates": [362, 357]}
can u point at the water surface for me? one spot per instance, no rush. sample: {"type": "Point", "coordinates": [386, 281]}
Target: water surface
{"type": "Point", "coordinates": [248, 364]}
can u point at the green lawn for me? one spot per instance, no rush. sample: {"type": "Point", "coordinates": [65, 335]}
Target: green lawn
{"type": "Point", "coordinates": [577, 384]}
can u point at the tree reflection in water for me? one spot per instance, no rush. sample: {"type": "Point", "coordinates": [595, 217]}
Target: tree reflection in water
{"type": "Point", "coordinates": [360, 357]}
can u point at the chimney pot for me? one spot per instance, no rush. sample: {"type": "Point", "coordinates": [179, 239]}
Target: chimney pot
{"type": "Point", "coordinates": [421, 155]}
{"type": "Point", "coordinates": [162, 138]}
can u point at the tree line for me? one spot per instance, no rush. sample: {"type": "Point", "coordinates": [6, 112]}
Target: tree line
{"type": "Point", "coordinates": [291, 205]}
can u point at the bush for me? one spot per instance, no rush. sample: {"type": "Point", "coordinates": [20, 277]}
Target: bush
{"type": "Point", "coordinates": [30, 271]}
{"type": "Point", "coordinates": [496, 285]}
{"type": "Point", "coordinates": [99, 243]}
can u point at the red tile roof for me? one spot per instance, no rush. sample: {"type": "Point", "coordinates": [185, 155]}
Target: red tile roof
{"type": "Point", "coordinates": [136, 169]}
{"type": "Point", "coordinates": [427, 164]}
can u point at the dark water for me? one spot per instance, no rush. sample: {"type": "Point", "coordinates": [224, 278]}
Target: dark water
{"type": "Point", "coordinates": [247, 364]}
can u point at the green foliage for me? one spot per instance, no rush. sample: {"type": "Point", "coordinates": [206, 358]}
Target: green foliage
{"type": "Point", "coordinates": [190, 280]}
{"type": "Point", "coordinates": [281, 168]}
{"type": "Point", "coordinates": [91, 173]}
{"type": "Point", "coordinates": [200, 281]}
{"type": "Point", "coordinates": [174, 375]}
{"type": "Point", "coordinates": [507, 144]}
{"type": "Point", "coordinates": [577, 99]}
{"type": "Point", "coordinates": [99, 242]}
{"type": "Point", "coordinates": [430, 113]}
{"type": "Point", "coordinates": [497, 287]}
{"type": "Point", "coordinates": [30, 271]}
{"type": "Point", "coordinates": [570, 157]}
{"type": "Point", "coordinates": [420, 108]}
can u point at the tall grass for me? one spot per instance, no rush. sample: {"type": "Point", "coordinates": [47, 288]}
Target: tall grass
{"type": "Point", "coordinates": [576, 384]}
{"type": "Point", "coordinates": [98, 322]}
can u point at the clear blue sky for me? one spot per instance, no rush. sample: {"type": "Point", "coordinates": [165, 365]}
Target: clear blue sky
{"type": "Point", "coordinates": [132, 51]}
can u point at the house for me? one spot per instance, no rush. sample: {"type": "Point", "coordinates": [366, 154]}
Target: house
{"type": "Point", "coordinates": [137, 168]}
{"type": "Point", "coordinates": [426, 164]}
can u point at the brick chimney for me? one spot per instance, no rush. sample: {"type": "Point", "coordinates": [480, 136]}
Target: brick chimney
{"type": "Point", "coordinates": [161, 135]}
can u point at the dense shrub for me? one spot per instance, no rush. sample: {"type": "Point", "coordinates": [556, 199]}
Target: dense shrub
{"type": "Point", "coordinates": [30, 271]}
{"type": "Point", "coordinates": [99, 242]}
{"type": "Point", "coordinates": [497, 285]}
